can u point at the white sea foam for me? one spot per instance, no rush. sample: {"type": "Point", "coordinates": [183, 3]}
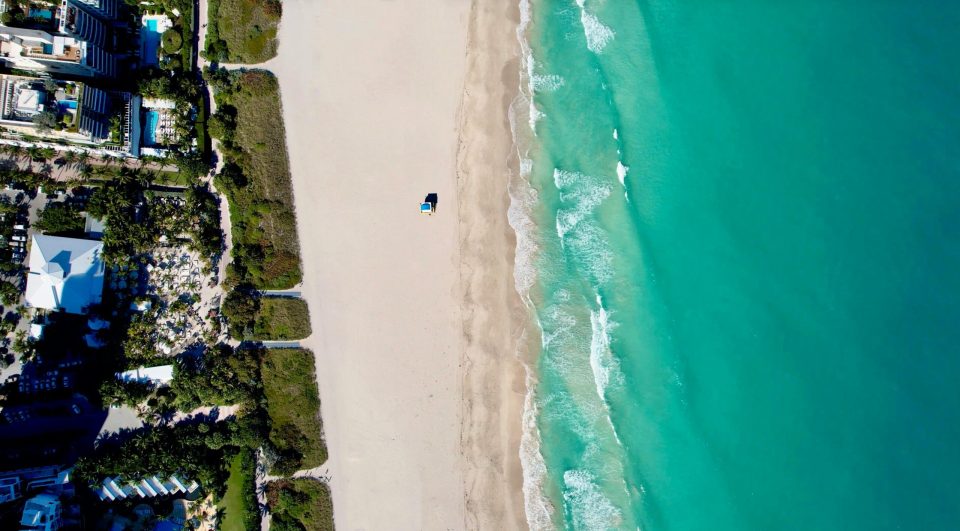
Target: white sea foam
{"type": "Point", "coordinates": [523, 197]}
{"type": "Point", "coordinates": [590, 245]}
{"type": "Point", "coordinates": [561, 324]}
{"type": "Point", "coordinates": [547, 82]}
{"type": "Point", "coordinates": [535, 116]}
{"type": "Point", "coordinates": [606, 369]}
{"type": "Point", "coordinates": [525, 16]}
{"type": "Point", "coordinates": [616, 135]}
{"type": "Point", "coordinates": [538, 508]}
{"type": "Point", "coordinates": [522, 200]}
{"type": "Point", "coordinates": [589, 508]}
{"type": "Point", "coordinates": [528, 67]}
{"type": "Point", "coordinates": [597, 34]}
{"type": "Point", "coordinates": [526, 166]}
{"type": "Point", "coordinates": [622, 172]}
{"type": "Point", "coordinates": [581, 195]}
{"type": "Point", "coordinates": [582, 192]}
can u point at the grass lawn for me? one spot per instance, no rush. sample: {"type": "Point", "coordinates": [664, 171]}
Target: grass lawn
{"type": "Point", "coordinates": [173, 178]}
{"type": "Point", "coordinates": [266, 252]}
{"type": "Point", "coordinates": [239, 503]}
{"type": "Point", "coordinates": [282, 319]}
{"type": "Point", "coordinates": [247, 28]}
{"type": "Point", "coordinates": [300, 501]}
{"type": "Point", "coordinates": [293, 405]}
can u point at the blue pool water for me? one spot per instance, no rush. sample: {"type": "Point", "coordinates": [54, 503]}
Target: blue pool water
{"type": "Point", "coordinates": [41, 13]}
{"type": "Point", "coordinates": [149, 42]}
{"type": "Point", "coordinates": [67, 104]}
{"type": "Point", "coordinates": [150, 128]}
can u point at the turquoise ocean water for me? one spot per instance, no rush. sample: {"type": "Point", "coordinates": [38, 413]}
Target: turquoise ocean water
{"type": "Point", "coordinates": [739, 231]}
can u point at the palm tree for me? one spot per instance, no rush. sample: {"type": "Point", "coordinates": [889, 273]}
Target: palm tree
{"type": "Point", "coordinates": [126, 175]}
{"type": "Point", "coordinates": [12, 151]}
{"type": "Point", "coordinates": [85, 171]}
{"type": "Point", "coordinates": [45, 169]}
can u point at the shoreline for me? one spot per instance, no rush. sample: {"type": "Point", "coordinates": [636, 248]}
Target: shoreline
{"type": "Point", "coordinates": [416, 322]}
{"type": "Point", "coordinates": [495, 318]}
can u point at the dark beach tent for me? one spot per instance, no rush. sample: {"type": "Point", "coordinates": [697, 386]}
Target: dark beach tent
{"type": "Point", "coordinates": [429, 204]}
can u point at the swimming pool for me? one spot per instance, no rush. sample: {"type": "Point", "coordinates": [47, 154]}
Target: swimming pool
{"type": "Point", "coordinates": [150, 121]}
{"type": "Point", "coordinates": [46, 14]}
{"type": "Point", "coordinates": [149, 42]}
{"type": "Point", "coordinates": [67, 104]}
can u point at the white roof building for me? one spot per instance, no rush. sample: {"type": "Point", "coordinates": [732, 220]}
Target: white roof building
{"type": "Point", "coordinates": [29, 101]}
{"type": "Point", "coordinates": [159, 375]}
{"type": "Point", "coordinates": [148, 487]}
{"type": "Point", "coordinates": [65, 273]}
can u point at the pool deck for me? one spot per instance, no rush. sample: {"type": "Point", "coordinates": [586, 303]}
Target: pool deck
{"type": "Point", "coordinates": [163, 23]}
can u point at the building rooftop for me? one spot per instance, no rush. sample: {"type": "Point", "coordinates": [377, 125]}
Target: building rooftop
{"type": "Point", "coordinates": [29, 101]}
{"type": "Point", "coordinates": [41, 512]}
{"type": "Point", "coordinates": [65, 273]}
{"type": "Point", "coordinates": [159, 374]}
{"type": "Point", "coordinates": [39, 44]}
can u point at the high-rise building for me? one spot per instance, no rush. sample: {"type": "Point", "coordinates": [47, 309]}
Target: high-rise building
{"type": "Point", "coordinates": [38, 50]}
{"type": "Point", "coordinates": [78, 23]}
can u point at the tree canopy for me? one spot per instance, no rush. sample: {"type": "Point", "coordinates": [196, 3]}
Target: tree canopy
{"type": "Point", "coordinates": [60, 219]}
{"type": "Point", "coordinates": [171, 40]}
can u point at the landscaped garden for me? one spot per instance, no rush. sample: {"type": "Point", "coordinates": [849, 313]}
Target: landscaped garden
{"type": "Point", "coordinates": [239, 503]}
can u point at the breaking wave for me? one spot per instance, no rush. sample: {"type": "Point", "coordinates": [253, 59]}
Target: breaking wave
{"type": "Point", "coordinates": [597, 34]}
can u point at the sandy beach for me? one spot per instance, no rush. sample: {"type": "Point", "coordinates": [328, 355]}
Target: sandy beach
{"type": "Point", "coordinates": [415, 318]}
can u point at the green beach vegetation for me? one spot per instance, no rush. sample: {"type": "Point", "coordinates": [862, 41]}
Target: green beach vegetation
{"type": "Point", "coordinates": [256, 179]}
{"type": "Point", "coordinates": [275, 385]}
{"type": "Point", "coordinates": [282, 319]}
{"type": "Point", "coordinates": [256, 318]}
{"type": "Point", "coordinates": [240, 307]}
{"type": "Point", "coordinates": [293, 406]}
{"type": "Point", "coordinates": [242, 31]}
{"type": "Point", "coordinates": [298, 504]}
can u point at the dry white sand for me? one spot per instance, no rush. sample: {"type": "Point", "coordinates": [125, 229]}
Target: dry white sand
{"type": "Point", "coordinates": [413, 316]}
